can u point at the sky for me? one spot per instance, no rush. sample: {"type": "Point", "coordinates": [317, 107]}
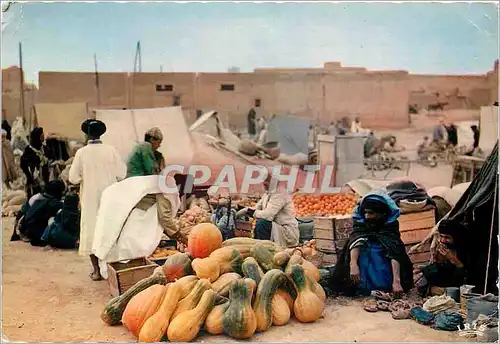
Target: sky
{"type": "Point", "coordinates": [424, 38]}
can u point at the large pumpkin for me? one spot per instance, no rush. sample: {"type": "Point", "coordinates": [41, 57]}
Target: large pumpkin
{"type": "Point", "coordinates": [203, 239]}
{"type": "Point", "coordinates": [142, 306]}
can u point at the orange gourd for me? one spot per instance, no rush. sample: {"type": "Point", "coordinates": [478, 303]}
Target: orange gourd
{"type": "Point", "coordinates": [190, 301]}
{"type": "Point", "coordinates": [142, 306]}
{"type": "Point", "coordinates": [287, 297]}
{"type": "Point", "coordinates": [186, 326]}
{"type": "Point", "coordinates": [280, 311]}
{"type": "Point", "coordinates": [213, 323]}
{"type": "Point", "coordinates": [203, 239]}
{"type": "Point", "coordinates": [308, 307]}
{"type": "Point", "coordinates": [206, 268]}
{"type": "Point", "coordinates": [154, 328]}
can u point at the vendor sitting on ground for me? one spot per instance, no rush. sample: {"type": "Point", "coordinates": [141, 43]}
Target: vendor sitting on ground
{"type": "Point", "coordinates": [275, 215]}
{"type": "Point", "coordinates": [64, 230]}
{"type": "Point", "coordinates": [35, 214]}
{"type": "Point", "coordinates": [145, 159]}
{"type": "Point", "coordinates": [445, 269]}
{"type": "Point", "coordinates": [374, 257]}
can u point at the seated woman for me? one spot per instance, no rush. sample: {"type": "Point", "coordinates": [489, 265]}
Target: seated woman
{"type": "Point", "coordinates": [445, 269]}
{"type": "Point", "coordinates": [374, 257]}
{"type": "Point", "coordinates": [64, 231]}
{"type": "Point", "coordinates": [35, 215]}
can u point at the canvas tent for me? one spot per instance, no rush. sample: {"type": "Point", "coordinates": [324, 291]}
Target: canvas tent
{"type": "Point", "coordinates": [180, 146]}
{"type": "Point", "coordinates": [291, 133]}
{"type": "Point", "coordinates": [125, 128]}
{"type": "Point", "coordinates": [62, 119]}
{"type": "Point", "coordinates": [475, 220]}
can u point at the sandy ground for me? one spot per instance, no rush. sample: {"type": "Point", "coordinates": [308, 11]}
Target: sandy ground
{"type": "Point", "coordinates": [48, 296]}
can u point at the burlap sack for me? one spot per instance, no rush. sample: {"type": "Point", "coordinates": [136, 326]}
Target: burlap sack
{"type": "Point", "coordinates": [18, 200]}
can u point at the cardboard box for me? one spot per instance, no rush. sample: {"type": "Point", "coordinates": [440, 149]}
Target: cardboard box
{"type": "Point", "coordinates": [123, 275]}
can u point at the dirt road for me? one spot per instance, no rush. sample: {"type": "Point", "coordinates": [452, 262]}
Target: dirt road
{"type": "Point", "coordinates": [48, 296]}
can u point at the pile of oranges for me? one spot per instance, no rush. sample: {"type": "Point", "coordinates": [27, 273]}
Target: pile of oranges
{"type": "Point", "coordinates": [324, 205]}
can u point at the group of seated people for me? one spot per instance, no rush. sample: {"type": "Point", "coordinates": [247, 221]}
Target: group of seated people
{"type": "Point", "coordinates": [374, 257]}
{"type": "Point", "coordinates": [50, 218]}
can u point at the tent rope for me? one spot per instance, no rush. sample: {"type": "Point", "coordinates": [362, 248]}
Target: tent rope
{"type": "Point", "coordinates": [491, 233]}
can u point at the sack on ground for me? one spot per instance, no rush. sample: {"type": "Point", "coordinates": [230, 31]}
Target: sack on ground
{"type": "Point", "coordinates": [248, 147]}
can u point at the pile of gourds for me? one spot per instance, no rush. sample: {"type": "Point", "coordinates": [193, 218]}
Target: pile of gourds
{"type": "Point", "coordinates": [239, 288]}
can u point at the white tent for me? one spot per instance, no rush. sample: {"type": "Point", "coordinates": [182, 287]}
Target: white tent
{"type": "Point", "coordinates": [125, 128]}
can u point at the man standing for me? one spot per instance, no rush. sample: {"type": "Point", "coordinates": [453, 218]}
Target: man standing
{"type": "Point", "coordinates": [440, 134]}
{"type": "Point", "coordinates": [356, 126]}
{"type": "Point", "coordinates": [95, 167]}
{"type": "Point", "coordinates": [251, 123]}
{"type": "Point", "coordinates": [145, 159]}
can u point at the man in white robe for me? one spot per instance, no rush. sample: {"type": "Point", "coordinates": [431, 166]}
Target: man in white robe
{"type": "Point", "coordinates": [133, 216]}
{"type": "Point", "coordinates": [95, 167]}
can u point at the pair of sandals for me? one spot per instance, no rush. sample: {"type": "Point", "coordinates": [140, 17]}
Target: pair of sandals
{"type": "Point", "coordinates": [381, 301]}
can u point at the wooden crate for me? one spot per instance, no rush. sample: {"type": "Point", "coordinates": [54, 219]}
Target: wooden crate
{"type": "Point", "coordinates": [325, 245]}
{"type": "Point", "coordinates": [414, 236]}
{"type": "Point", "coordinates": [413, 221]}
{"type": "Point", "coordinates": [324, 228]}
{"type": "Point", "coordinates": [329, 259]}
{"type": "Point", "coordinates": [122, 276]}
{"type": "Point", "coordinates": [332, 228]}
{"type": "Point", "coordinates": [343, 228]}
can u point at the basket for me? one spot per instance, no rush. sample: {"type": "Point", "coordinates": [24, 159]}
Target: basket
{"type": "Point", "coordinates": [272, 149]}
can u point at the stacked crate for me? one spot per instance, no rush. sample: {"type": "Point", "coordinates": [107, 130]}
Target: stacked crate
{"type": "Point", "coordinates": [331, 234]}
{"type": "Point", "coordinates": [414, 227]}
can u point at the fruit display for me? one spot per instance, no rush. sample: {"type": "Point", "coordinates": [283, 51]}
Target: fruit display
{"type": "Point", "coordinates": [225, 293]}
{"type": "Point", "coordinates": [192, 217]}
{"type": "Point", "coordinates": [247, 203]}
{"type": "Point", "coordinates": [324, 205]}
{"type": "Point", "coordinates": [162, 252]}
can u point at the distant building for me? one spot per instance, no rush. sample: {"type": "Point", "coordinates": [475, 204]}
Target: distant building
{"type": "Point", "coordinates": [380, 98]}
{"type": "Point", "coordinates": [233, 70]}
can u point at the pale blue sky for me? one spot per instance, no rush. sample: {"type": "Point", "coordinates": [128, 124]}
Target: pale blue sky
{"type": "Point", "coordinates": [210, 37]}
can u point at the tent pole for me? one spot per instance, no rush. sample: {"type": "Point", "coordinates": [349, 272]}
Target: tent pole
{"type": "Point", "coordinates": [491, 235]}
{"type": "Point", "coordinates": [21, 80]}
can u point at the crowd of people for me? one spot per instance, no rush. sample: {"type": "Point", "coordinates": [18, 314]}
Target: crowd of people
{"type": "Point", "coordinates": [93, 216]}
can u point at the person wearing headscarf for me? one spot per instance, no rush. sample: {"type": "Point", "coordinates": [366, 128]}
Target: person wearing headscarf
{"type": "Point", "coordinates": [445, 269]}
{"type": "Point", "coordinates": [64, 231]}
{"type": "Point", "coordinates": [374, 256]}
{"type": "Point", "coordinates": [6, 126]}
{"type": "Point", "coordinates": [95, 167]}
{"type": "Point", "coordinates": [35, 163]}
{"type": "Point", "coordinates": [38, 210]}
{"type": "Point", "coordinates": [9, 172]}
{"type": "Point", "coordinates": [145, 159]}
